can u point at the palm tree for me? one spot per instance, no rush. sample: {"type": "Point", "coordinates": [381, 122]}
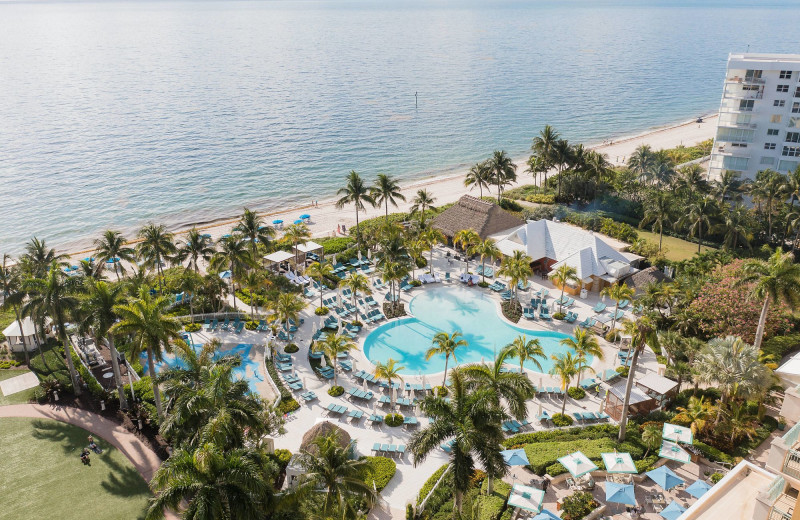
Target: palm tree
{"type": "Point", "coordinates": [331, 470]}
{"type": "Point", "coordinates": [54, 296]}
{"type": "Point", "coordinates": [470, 423]}
{"type": "Point", "coordinates": [658, 211]}
{"type": "Point", "coordinates": [487, 249]}
{"type": "Point", "coordinates": [446, 344]}
{"type": "Point", "coordinates": [254, 280]}
{"type": "Point", "coordinates": [774, 280]}
{"type": "Point", "coordinates": [479, 175]}
{"type": "Point", "coordinates": [40, 257]}
{"type": "Point", "coordinates": [525, 349]}
{"type": "Point", "coordinates": [561, 277]}
{"type": "Point", "coordinates": [209, 483]}
{"type": "Point", "coordinates": [145, 318]}
{"type": "Point", "coordinates": [357, 283]}
{"type": "Point", "coordinates": [355, 193]}
{"type": "Point", "coordinates": [156, 247]}
{"type": "Point", "coordinates": [651, 437]}
{"type": "Point", "coordinates": [467, 239]}
{"type": "Point", "coordinates": [388, 371]}
{"type": "Point", "coordinates": [386, 191]}
{"type": "Point", "coordinates": [288, 306]}
{"type": "Point", "coordinates": [700, 216]}
{"type": "Point", "coordinates": [565, 366]}
{"type": "Point", "coordinates": [542, 148]}
{"type": "Point", "coordinates": [112, 246]}
{"type": "Point", "coordinates": [416, 251]}
{"type": "Point", "coordinates": [296, 234]}
{"type": "Point", "coordinates": [770, 187]}
{"type": "Point", "coordinates": [740, 422]}
{"type": "Point", "coordinates": [517, 267]}
{"type": "Point", "coordinates": [728, 184]}
{"type": "Point", "coordinates": [561, 157]}
{"type": "Point", "coordinates": [197, 247]}
{"type": "Point", "coordinates": [422, 202]}
{"type": "Point", "coordinates": [430, 237]}
{"type": "Point", "coordinates": [641, 162]}
{"type": "Point", "coordinates": [642, 332]}
{"type": "Point", "coordinates": [99, 314]}
{"type": "Point", "coordinates": [617, 292]}
{"type": "Point", "coordinates": [695, 414]}
{"type": "Point", "coordinates": [255, 229]}
{"type": "Point", "coordinates": [393, 272]}
{"type": "Point", "coordinates": [597, 168]}
{"type": "Point", "coordinates": [502, 169]}
{"type": "Point", "coordinates": [736, 225]}
{"type": "Point", "coordinates": [13, 296]}
{"type": "Point", "coordinates": [583, 343]}
{"type": "Point", "coordinates": [510, 388]}
{"type": "Point", "coordinates": [320, 271]}
{"type": "Point", "coordinates": [233, 256]}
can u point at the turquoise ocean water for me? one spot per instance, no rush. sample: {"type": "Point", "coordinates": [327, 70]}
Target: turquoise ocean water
{"type": "Point", "coordinates": [115, 113]}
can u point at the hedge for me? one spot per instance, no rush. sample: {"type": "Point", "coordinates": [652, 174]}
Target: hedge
{"type": "Point", "coordinates": [779, 346]}
{"type": "Point", "coordinates": [334, 245]}
{"type": "Point", "coordinates": [428, 485]}
{"type": "Point", "coordinates": [544, 455]}
{"type": "Point", "coordinates": [288, 403]}
{"type": "Point", "coordinates": [379, 472]}
{"type": "Point", "coordinates": [490, 507]}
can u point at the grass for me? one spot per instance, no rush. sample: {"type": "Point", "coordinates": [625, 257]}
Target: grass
{"type": "Point", "coordinates": [56, 365]}
{"type": "Point", "coordinates": [677, 248]}
{"type": "Point", "coordinates": [46, 479]}
{"type": "Point", "coordinates": [20, 397]}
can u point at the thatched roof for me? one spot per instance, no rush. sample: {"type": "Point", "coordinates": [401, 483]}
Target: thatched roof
{"type": "Point", "coordinates": [486, 218]}
{"type": "Point", "coordinates": [322, 429]}
{"type": "Point", "coordinates": [639, 281]}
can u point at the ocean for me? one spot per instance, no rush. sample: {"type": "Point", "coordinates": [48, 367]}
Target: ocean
{"type": "Point", "coordinates": [113, 114]}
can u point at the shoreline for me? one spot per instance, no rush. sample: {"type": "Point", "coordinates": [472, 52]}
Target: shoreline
{"type": "Point", "coordinates": [445, 186]}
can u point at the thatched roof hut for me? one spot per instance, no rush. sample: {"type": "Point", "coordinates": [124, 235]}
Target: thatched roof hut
{"type": "Point", "coordinates": [486, 218]}
{"type": "Point", "coordinates": [641, 279]}
{"type": "Point", "coordinates": [322, 429]}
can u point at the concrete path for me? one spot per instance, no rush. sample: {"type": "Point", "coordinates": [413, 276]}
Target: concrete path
{"type": "Point", "coordinates": [19, 383]}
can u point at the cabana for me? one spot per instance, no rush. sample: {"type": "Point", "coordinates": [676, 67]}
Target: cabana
{"type": "Point", "coordinates": [14, 336]}
{"type": "Point", "coordinates": [649, 392]}
{"type": "Point", "coordinates": [311, 250]}
{"type": "Point", "coordinates": [526, 497]}
{"type": "Point", "coordinates": [278, 257]}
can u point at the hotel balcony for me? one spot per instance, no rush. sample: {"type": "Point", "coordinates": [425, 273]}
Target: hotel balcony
{"type": "Point", "coordinates": [731, 123]}
{"type": "Point", "coordinates": [739, 92]}
{"type": "Point", "coordinates": [734, 107]}
{"type": "Point", "coordinates": [783, 508]}
{"type": "Point", "coordinates": [744, 80]}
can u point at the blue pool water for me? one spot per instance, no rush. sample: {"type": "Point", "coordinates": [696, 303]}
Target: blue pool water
{"type": "Point", "coordinates": [450, 309]}
{"type": "Point", "coordinates": [242, 350]}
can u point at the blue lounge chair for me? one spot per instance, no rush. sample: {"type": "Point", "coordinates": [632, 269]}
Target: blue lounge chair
{"type": "Point", "coordinates": [600, 307]}
{"type": "Point", "coordinates": [624, 303]}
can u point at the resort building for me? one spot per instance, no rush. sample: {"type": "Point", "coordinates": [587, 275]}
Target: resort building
{"type": "Point", "coordinates": [552, 244]}
{"type": "Point", "coordinates": [485, 218]}
{"type": "Point", "coordinates": [648, 393]}
{"type": "Point", "coordinates": [759, 115]}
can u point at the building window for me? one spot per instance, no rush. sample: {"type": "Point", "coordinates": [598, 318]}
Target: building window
{"type": "Point", "coordinates": [775, 119]}
{"type": "Point", "coordinates": [746, 105]}
{"type": "Point", "coordinates": [794, 122]}
{"type": "Point", "coordinates": [793, 137]}
{"type": "Point", "coordinates": [791, 151]}
{"type": "Point", "coordinates": [795, 108]}
{"type": "Point", "coordinates": [786, 74]}
{"type": "Point", "coordinates": [768, 160]}
{"type": "Point", "coordinates": [797, 92]}
{"type": "Point", "coordinates": [735, 163]}
{"type": "Point", "coordinates": [783, 88]}
{"type": "Point", "coordinates": [773, 131]}
{"type": "Point", "coordinates": [787, 166]}
{"type": "Point", "coordinates": [779, 103]}
{"type": "Point", "coordinates": [739, 145]}
{"type": "Point", "coordinates": [769, 146]}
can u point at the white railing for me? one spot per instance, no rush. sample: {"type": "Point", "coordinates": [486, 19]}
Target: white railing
{"type": "Point", "coordinates": [421, 506]}
{"type": "Point", "coordinates": [791, 436]}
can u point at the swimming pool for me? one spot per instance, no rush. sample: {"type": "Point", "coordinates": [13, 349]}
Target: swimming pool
{"type": "Point", "coordinates": [242, 350]}
{"type": "Point", "coordinates": [450, 309]}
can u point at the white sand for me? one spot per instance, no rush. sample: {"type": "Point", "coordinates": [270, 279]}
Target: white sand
{"type": "Point", "coordinates": [325, 218]}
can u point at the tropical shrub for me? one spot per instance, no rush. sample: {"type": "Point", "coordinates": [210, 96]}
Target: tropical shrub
{"type": "Point", "coordinates": [335, 245]}
{"type": "Point", "coordinates": [483, 285]}
{"type": "Point", "coordinates": [288, 405]}
{"type": "Point", "coordinates": [779, 346]}
{"type": "Point", "coordinates": [559, 315]}
{"type": "Point", "coordinates": [379, 472]}
{"type": "Point", "coordinates": [9, 364]}
{"type": "Point", "coordinates": [428, 485]}
{"type": "Point", "coordinates": [561, 419]}
{"type": "Point", "coordinates": [578, 505]}
{"type": "Point", "coordinates": [623, 371]}
{"type": "Point", "coordinates": [251, 325]}
{"type": "Point", "coordinates": [715, 477]}
{"type": "Point", "coordinates": [576, 393]}
{"type": "Point", "coordinates": [512, 310]}
{"type": "Point", "coordinates": [441, 391]}
{"type": "Point", "coordinates": [291, 348]}
{"type": "Point", "coordinates": [393, 420]}
{"type": "Point", "coordinates": [541, 198]}
{"type": "Point", "coordinates": [192, 327]}
{"type": "Point", "coordinates": [335, 391]}
{"type": "Point", "coordinates": [321, 311]}
{"type": "Point", "coordinates": [281, 458]}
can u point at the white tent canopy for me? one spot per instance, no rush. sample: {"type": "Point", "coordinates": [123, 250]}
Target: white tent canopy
{"type": "Point", "coordinates": [12, 333]}
{"type": "Point", "coordinates": [279, 256]}
{"type": "Point", "coordinates": [308, 247]}
{"type": "Point", "coordinates": [789, 372]}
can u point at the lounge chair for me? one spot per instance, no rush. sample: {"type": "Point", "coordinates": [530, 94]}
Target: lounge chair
{"type": "Point", "coordinates": [600, 307]}
{"type": "Point", "coordinates": [447, 276]}
{"type": "Point", "coordinates": [488, 272]}
{"type": "Point", "coordinates": [239, 327]}
{"type": "Point", "coordinates": [545, 314]}
{"type": "Point", "coordinates": [214, 325]}
{"type": "Point", "coordinates": [624, 303]}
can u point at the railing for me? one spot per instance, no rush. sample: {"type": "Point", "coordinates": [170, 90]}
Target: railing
{"type": "Point", "coordinates": [425, 500]}
{"type": "Point", "coordinates": [739, 79]}
{"type": "Point", "coordinates": [791, 464]}
{"type": "Point", "coordinates": [776, 488]}
{"type": "Point", "coordinates": [777, 514]}
{"type": "Point", "coordinates": [791, 436]}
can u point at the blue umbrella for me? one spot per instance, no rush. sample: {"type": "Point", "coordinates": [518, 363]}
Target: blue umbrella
{"type": "Point", "coordinates": [515, 457]}
{"type": "Point", "coordinates": [89, 259]}
{"type": "Point", "coordinates": [672, 511]}
{"type": "Point", "coordinates": [546, 515]}
{"type": "Point", "coordinates": [620, 493]}
{"type": "Point", "coordinates": [277, 221]}
{"type": "Point", "coordinates": [665, 477]}
{"type": "Point", "coordinates": [226, 236]}
{"type": "Point", "coordinates": [225, 274]}
{"type": "Point", "coordinates": [305, 215]}
{"type": "Point", "coordinates": [112, 260]}
{"type": "Point", "coordinates": [698, 489]}
{"type": "Point", "coordinates": [298, 221]}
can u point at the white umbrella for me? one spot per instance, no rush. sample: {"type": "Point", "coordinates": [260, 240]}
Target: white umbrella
{"type": "Point", "coordinates": [364, 385]}
{"type": "Point", "coordinates": [540, 410]}
{"type": "Point", "coordinates": [541, 383]}
{"type": "Point", "coordinates": [577, 464]}
{"type": "Point", "coordinates": [359, 255]}
{"type": "Point", "coordinates": [602, 405]}
{"type": "Point", "coordinates": [374, 408]}
{"type": "Point", "coordinates": [304, 384]}
{"type": "Point", "coordinates": [423, 383]}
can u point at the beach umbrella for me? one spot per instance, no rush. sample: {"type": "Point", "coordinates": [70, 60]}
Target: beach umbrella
{"type": "Point", "coordinates": [277, 221]}
{"type": "Point", "coordinates": [698, 489]}
{"type": "Point", "coordinates": [225, 275]}
{"type": "Point", "coordinates": [620, 493]}
{"type": "Point", "coordinates": [577, 464]}
{"type": "Point", "coordinates": [516, 457]}
{"type": "Point", "coordinates": [675, 433]}
{"type": "Point", "coordinates": [672, 511]}
{"type": "Point", "coordinates": [540, 410]}
{"type": "Point", "coordinates": [359, 255]}
{"type": "Point", "coordinates": [664, 477]}
{"type": "Point", "coordinates": [423, 383]}
{"type": "Point", "coordinates": [298, 221]}
{"type": "Point", "coordinates": [546, 514]}
{"type": "Point", "coordinates": [526, 497]}
{"type": "Point", "coordinates": [226, 235]}
{"type": "Point", "coordinates": [304, 383]}
{"type": "Point", "coordinates": [670, 450]}
{"type": "Point", "coordinates": [618, 462]}
{"type": "Point", "coordinates": [305, 215]}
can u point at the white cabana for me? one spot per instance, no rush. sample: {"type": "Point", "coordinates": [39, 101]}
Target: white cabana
{"type": "Point", "coordinates": [278, 256]}
{"type": "Point", "coordinates": [309, 247]}
{"type": "Point", "coordinates": [14, 336]}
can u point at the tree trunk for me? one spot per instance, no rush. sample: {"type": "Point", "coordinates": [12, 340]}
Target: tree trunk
{"type": "Point", "coordinates": [457, 501]}
{"type": "Point", "coordinates": [762, 321]}
{"type": "Point", "coordinates": [151, 369]}
{"type": "Point", "coordinates": [623, 421]}
{"type": "Point", "coordinates": [431, 262]}
{"type": "Point", "coordinates": [233, 292]}
{"type": "Point", "coordinates": [358, 229]}
{"type": "Point", "coordinates": [123, 402]}
{"type": "Point", "coordinates": [564, 402]}
{"type": "Point", "coordinates": [22, 337]}
{"type": "Point", "coordinates": [73, 374]}
{"type": "Point", "coordinates": [483, 271]}
{"type": "Point", "coordinates": [444, 382]}
{"type": "Point", "coordinates": [660, 236]}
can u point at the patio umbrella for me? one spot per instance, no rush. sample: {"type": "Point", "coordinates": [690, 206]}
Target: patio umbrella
{"type": "Point", "coordinates": [304, 384]}
{"type": "Point", "coordinates": [698, 489]}
{"type": "Point", "coordinates": [670, 450]}
{"type": "Point", "coordinates": [277, 221]}
{"type": "Point", "coordinates": [618, 462]}
{"type": "Point", "coordinates": [664, 477]}
{"type": "Point", "coordinates": [577, 464]}
{"type": "Point", "coordinates": [672, 511]}
{"type": "Point", "coordinates": [394, 395]}
{"type": "Point", "coordinates": [305, 215]}
{"type": "Point", "coordinates": [298, 221]}
{"type": "Point", "coordinates": [546, 514]}
{"type": "Point", "coordinates": [225, 275]}
{"type": "Point", "coordinates": [526, 497]}
{"type": "Point", "coordinates": [675, 433]}
{"type": "Point", "coordinates": [540, 410]}
{"type": "Point", "coordinates": [515, 457]}
{"type": "Point", "coordinates": [620, 493]}
{"type": "Point", "coordinates": [364, 385]}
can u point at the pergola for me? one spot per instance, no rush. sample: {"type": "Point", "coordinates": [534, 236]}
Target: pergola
{"type": "Point", "coordinates": [310, 247]}
{"type": "Point", "coordinates": [278, 257]}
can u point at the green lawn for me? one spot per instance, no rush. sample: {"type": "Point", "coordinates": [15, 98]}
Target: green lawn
{"type": "Point", "coordinates": [677, 249]}
{"type": "Point", "coordinates": [19, 397]}
{"type": "Point", "coordinates": [43, 476]}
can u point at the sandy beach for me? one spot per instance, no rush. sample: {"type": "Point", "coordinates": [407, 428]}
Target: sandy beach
{"type": "Point", "coordinates": [325, 217]}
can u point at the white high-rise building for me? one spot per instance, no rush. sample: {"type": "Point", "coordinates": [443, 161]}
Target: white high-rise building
{"type": "Point", "coordinates": [759, 116]}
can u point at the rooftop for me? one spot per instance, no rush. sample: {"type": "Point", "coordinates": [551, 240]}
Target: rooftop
{"type": "Point", "coordinates": [486, 218]}
{"type": "Point", "coordinates": [766, 59]}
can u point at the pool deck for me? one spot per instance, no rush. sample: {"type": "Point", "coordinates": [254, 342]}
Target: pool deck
{"type": "Point", "coordinates": [404, 487]}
